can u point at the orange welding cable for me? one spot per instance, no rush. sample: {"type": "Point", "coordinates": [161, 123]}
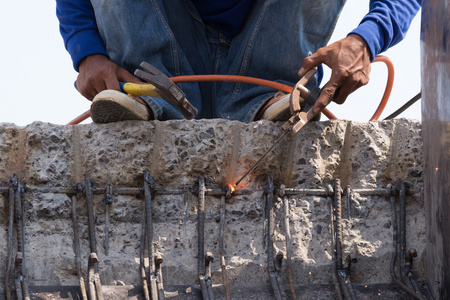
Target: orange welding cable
{"type": "Point", "coordinates": [389, 85]}
{"type": "Point", "coordinates": [244, 79]}
{"type": "Point", "coordinates": [216, 77]}
{"type": "Point", "coordinates": [275, 85]}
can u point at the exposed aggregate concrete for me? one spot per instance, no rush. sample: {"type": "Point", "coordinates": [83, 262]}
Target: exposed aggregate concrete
{"type": "Point", "coordinates": [177, 153]}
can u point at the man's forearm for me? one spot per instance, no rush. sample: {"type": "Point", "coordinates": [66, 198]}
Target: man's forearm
{"type": "Point", "coordinates": [386, 23]}
{"type": "Point", "coordinates": [79, 30]}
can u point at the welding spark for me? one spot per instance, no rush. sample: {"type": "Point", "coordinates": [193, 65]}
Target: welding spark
{"type": "Point", "coordinates": [232, 189]}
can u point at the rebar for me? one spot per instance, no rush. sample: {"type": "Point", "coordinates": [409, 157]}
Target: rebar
{"type": "Point", "coordinates": [20, 218]}
{"type": "Point", "coordinates": [395, 242]}
{"type": "Point", "coordinates": [91, 216]}
{"type": "Point", "coordinates": [208, 259]}
{"type": "Point", "coordinates": [394, 231]}
{"type": "Point", "coordinates": [149, 183]}
{"type": "Point", "coordinates": [402, 230]}
{"type": "Point", "coordinates": [142, 256]}
{"type": "Point", "coordinates": [288, 248]}
{"type": "Point", "coordinates": [201, 227]}
{"type": "Point", "coordinates": [159, 277]}
{"type": "Point", "coordinates": [12, 190]}
{"type": "Point", "coordinates": [221, 248]}
{"type": "Point", "coordinates": [108, 202]}
{"type": "Point", "coordinates": [76, 245]}
{"type": "Point", "coordinates": [95, 286]}
{"type": "Point", "coordinates": [273, 275]}
{"type": "Point", "coordinates": [338, 213]}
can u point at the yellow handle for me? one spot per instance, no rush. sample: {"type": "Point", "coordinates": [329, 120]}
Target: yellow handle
{"type": "Point", "coordinates": [136, 89]}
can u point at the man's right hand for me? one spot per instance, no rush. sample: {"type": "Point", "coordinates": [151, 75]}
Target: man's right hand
{"type": "Point", "coordinates": [98, 73]}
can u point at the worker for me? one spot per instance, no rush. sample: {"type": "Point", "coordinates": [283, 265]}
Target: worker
{"type": "Point", "coordinates": [269, 39]}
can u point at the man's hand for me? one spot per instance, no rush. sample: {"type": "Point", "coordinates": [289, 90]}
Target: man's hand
{"type": "Point", "coordinates": [98, 73]}
{"type": "Point", "coordinates": [349, 61]}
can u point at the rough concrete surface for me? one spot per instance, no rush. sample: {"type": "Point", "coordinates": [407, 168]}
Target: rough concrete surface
{"type": "Point", "coordinates": [177, 153]}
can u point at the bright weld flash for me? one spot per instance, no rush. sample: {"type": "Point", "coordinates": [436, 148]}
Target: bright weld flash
{"type": "Point", "coordinates": [231, 188]}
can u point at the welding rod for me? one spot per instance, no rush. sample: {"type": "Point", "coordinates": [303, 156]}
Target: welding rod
{"type": "Point", "coordinates": [261, 158]}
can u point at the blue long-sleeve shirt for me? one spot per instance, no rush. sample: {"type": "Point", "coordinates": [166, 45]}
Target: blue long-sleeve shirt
{"type": "Point", "coordinates": [384, 26]}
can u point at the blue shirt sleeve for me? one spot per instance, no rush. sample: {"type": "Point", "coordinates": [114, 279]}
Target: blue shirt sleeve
{"type": "Point", "coordinates": [386, 23]}
{"type": "Point", "coordinates": [79, 30]}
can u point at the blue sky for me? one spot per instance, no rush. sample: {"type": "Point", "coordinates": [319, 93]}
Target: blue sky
{"type": "Point", "coordinates": [36, 74]}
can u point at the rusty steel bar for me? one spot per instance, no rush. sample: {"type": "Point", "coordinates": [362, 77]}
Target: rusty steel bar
{"type": "Point", "coordinates": [130, 191]}
{"type": "Point", "coordinates": [108, 202]}
{"type": "Point", "coordinates": [341, 274]}
{"type": "Point", "coordinates": [20, 219]}
{"type": "Point", "coordinates": [402, 230]}
{"type": "Point", "coordinates": [12, 191]}
{"type": "Point", "coordinates": [334, 269]}
{"type": "Point", "coordinates": [348, 281]}
{"type": "Point", "coordinates": [409, 261]}
{"type": "Point", "coordinates": [76, 245]}
{"type": "Point", "coordinates": [208, 259]}
{"type": "Point", "coordinates": [142, 257]}
{"type": "Point", "coordinates": [273, 275]}
{"type": "Point", "coordinates": [201, 227]}
{"type": "Point", "coordinates": [149, 183]}
{"type": "Point", "coordinates": [159, 277]}
{"type": "Point", "coordinates": [338, 213]}
{"type": "Point", "coordinates": [395, 243]}
{"type": "Point", "coordinates": [204, 287]}
{"type": "Point", "coordinates": [390, 192]}
{"type": "Point", "coordinates": [221, 247]}
{"type": "Point", "coordinates": [91, 216]}
{"type": "Point", "coordinates": [288, 247]}
{"type": "Point", "coordinates": [95, 287]}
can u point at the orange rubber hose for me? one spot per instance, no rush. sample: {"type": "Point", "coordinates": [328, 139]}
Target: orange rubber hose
{"type": "Point", "coordinates": [274, 85]}
{"type": "Point", "coordinates": [389, 85]}
{"type": "Point", "coordinates": [232, 78]}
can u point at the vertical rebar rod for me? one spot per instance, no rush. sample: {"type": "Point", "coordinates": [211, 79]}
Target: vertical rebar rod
{"type": "Point", "coordinates": [334, 264]}
{"type": "Point", "coordinates": [142, 256]}
{"type": "Point", "coordinates": [159, 277]}
{"type": "Point", "coordinates": [76, 245]}
{"type": "Point", "coordinates": [201, 226]}
{"type": "Point", "coordinates": [95, 286]}
{"type": "Point", "coordinates": [23, 281]}
{"type": "Point", "coordinates": [221, 248]}
{"type": "Point", "coordinates": [288, 247]}
{"type": "Point", "coordinates": [10, 243]}
{"type": "Point", "coordinates": [338, 212]}
{"type": "Point", "coordinates": [394, 231]}
{"type": "Point", "coordinates": [91, 216]}
{"type": "Point", "coordinates": [149, 182]}
{"type": "Point", "coordinates": [395, 244]}
{"type": "Point", "coordinates": [271, 227]}
{"type": "Point", "coordinates": [108, 201]}
{"type": "Point", "coordinates": [402, 230]}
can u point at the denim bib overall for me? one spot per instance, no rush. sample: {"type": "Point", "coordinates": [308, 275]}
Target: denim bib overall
{"type": "Point", "coordinates": [170, 35]}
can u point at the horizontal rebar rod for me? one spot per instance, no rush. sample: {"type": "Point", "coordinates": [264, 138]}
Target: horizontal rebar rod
{"type": "Point", "coordinates": [133, 191]}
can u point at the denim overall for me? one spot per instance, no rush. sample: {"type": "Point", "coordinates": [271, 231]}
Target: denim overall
{"type": "Point", "coordinates": [171, 36]}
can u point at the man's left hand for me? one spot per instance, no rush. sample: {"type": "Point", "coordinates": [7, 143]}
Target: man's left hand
{"type": "Point", "coordinates": [349, 61]}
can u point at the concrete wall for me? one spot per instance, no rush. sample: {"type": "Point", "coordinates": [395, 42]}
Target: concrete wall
{"type": "Point", "coordinates": [177, 153]}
